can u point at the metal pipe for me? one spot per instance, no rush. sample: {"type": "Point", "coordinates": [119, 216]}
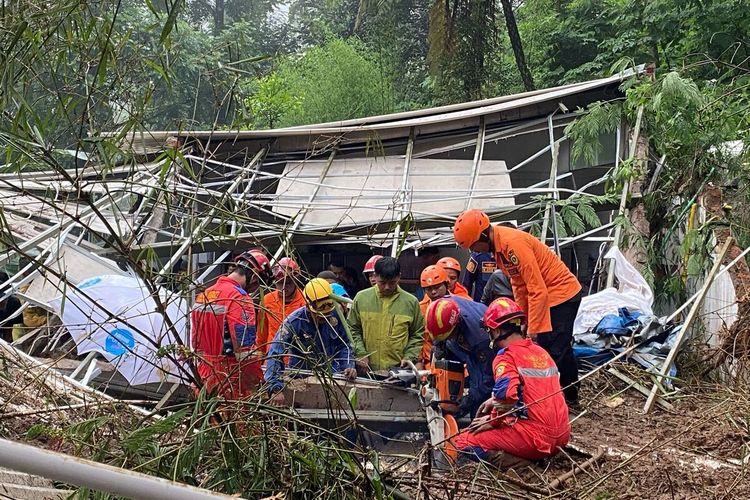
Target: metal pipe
{"type": "Point", "coordinates": [549, 210]}
{"type": "Point", "coordinates": [477, 163]}
{"type": "Point", "coordinates": [402, 192]}
{"type": "Point", "coordinates": [207, 218]}
{"type": "Point", "coordinates": [624, 196]}
{"type": "Point", "coordinates": [100, 477]}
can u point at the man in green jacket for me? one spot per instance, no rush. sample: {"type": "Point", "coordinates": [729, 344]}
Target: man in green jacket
{"type": "Point", "coordinates": [386, 325]}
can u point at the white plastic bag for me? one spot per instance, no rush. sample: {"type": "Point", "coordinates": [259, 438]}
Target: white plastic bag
{"type": "Point", "coordinates": [634, 293]}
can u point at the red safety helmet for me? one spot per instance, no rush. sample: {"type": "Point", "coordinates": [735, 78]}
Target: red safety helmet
{"type": "Point", "coordinates": [449, 263]}
{"type": "Point", "coordinates": [503, 310]}
{"type": "Point", "coordinates": [469, 226]}
{"type": "Point", "coordinates": [256, 261]}
{"type": "Point", "coordinates": [441, 318]}
{"type": "Point", "coordinates": [370, 264]}
{"type": "Point", "coordinates": [285, 265]}
{"type": "Point", "coordinates": [432, 275]}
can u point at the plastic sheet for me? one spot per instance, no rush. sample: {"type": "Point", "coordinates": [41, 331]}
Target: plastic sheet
{"type": "Point", "coordinates": [633, 293]}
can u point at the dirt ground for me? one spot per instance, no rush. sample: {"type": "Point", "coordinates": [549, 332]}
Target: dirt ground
{"type": "Point", "coordinates": [700, 449]}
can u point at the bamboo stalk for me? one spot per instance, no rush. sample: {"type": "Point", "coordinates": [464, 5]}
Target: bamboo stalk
{"type": "Point", "coordinates": [688, 323]}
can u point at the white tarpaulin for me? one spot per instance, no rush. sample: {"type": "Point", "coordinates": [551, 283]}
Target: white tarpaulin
{"type": "Point", "coordinates": [117, 317]}
{"type": "Point", "coordinates": [634, 293]}
{"type": "Point", "coordinates": [364, 190]}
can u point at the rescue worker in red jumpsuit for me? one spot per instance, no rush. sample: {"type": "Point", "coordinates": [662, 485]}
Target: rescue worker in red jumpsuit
{"type": "Point", "coordinates": [542, 284]}
{"type": "Point", "coordinates": [223, 330]}
{"type": "Point", "coordinates": [528, 417]}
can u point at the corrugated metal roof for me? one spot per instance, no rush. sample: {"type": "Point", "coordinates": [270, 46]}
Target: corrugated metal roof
{"type": "Point", "coordinates": [451, 115]}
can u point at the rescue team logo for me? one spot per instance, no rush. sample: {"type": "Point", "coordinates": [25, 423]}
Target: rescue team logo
{"type": "Point", "coordinates": [499, 370]}
{"type": "Point", "coordinates": [489, 267]}
{"type": "Point", "coordinates": [472, 265]}
{"type": "Point", "coordinates": [207, 296]}
{"type": "Point", "coordinates": [537, 361]}
{"type": "Point", "coordinates": [513, 258]}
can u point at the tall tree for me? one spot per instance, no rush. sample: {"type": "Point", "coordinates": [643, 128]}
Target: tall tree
{"type": "Point", "coordinates": [517, 45]}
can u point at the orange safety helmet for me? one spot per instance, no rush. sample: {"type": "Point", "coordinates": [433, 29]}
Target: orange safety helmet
{"type": "Point", "coordinates": [370, 264]}
{"type": "Point", "coordinates": [441, 318]}
{"type": "Point", "coordinates": [449, 263]}
{"type": "Point", "coordinates": [469, 226]}
{"type": "Point", "coordinates": [285, 265]}
{"type": "Point", "coordinates": [432, 275]}
{"type": "Point", "coordinates": [503, 310]}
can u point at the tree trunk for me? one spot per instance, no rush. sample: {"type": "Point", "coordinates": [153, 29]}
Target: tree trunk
{"type": "Point", "coordinates": [515, 42]}
{"type": "Point", "coordinates": [636, 250]}
{"type": "Point", "coordinates": [219, 17]}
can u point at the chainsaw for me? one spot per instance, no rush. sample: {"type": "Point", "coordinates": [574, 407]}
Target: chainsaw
{"type": "Point", "coordinates": [440, 391]}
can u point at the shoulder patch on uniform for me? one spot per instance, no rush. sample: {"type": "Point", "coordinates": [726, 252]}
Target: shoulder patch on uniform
{"type": "Point", "coordinates": [471, 265]}
{"type": "Point", "coordinates": [499, 370]}
{"type": "Point", "coordinates": [512, 257]}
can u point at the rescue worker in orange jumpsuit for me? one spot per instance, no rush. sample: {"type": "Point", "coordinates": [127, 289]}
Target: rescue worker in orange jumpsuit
{"type": "Point", "coordinates": [223, 330]}
{"type": "Point", "coordinates": [543, 286]}
{"type": "Point", "coordinates": [369, 270]}
{"type": "Point", "coordinates": [435, 283]}
{"type": "Point", "coordinates": [453, 270]}
{"type": "Point", "coordinates": [527, 415]}
{"type": "Point", "coordinates": [280, 303]}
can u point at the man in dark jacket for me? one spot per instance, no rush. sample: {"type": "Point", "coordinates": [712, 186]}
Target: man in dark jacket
{"type": "Point", "coordinates": [455, 325]}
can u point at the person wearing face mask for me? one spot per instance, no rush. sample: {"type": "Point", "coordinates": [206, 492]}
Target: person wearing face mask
{"type": "Point", "coordinates": [454, 325]}
{"type": "Point", "coordinates": [526, 417]}
{"type": "Point", "coordinates": [223, 329]}
{"type": "Point", "coordinates": [386, 324]}
{"type": "Point", "coordinates": [280, 303]}
{"type": "Point", "coordinates": [313, 337]}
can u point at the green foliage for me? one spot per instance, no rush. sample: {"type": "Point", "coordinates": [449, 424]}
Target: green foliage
{"type": "Point", "coordinates": [270, 101]}
{"type": "Point", "coordinates": [574, 215]}
{"type": "Point", "coordinates": [337, 81]}
{"type": "Point", "coordinates": [585, 132]}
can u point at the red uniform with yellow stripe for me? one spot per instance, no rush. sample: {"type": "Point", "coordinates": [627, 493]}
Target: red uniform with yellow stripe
{"type": "Point", "coordinates": [539, 278]}
{"type": "Point", "coordinates": [223, 334]}
{"type": "Point", "coordinates": [527, 382]}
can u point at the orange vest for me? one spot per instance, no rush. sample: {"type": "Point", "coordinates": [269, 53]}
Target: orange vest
{"type": "Point", "coordinates": [275, 312]}
{"type": "Point", "coordinates": [539, 278]}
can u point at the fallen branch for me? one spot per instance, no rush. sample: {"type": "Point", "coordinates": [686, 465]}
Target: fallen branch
{"type": "Point", "coordinates": [560, 480]}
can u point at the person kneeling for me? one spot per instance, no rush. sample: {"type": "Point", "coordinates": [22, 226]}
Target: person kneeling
{"type": "Point", "coordinates": [313, 336]}
{"type": "Point", "coordinates": [528, 417]}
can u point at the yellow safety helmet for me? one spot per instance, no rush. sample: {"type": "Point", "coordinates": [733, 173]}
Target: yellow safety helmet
{"type": "Point", "coordinates": [318, 293]}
